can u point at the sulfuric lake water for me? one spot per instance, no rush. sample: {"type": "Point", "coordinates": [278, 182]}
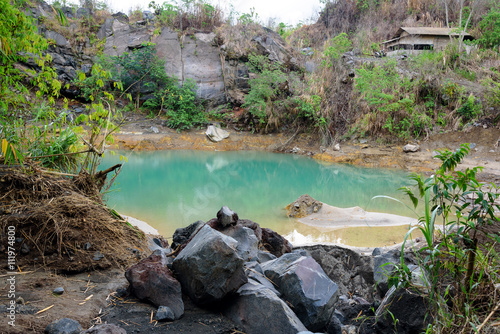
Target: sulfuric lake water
{"type": "Point", "coordinates": [172, 189]}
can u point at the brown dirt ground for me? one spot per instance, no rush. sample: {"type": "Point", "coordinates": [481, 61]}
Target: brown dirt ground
{"type": "Point", "coordinates": [36, 282]}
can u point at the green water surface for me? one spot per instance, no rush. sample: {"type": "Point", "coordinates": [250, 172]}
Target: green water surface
{"type": "Point", "coordinates": [171, 189]}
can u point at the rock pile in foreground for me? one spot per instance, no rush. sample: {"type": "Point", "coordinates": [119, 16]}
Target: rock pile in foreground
{"type": "Point", "coordinates": [250, 273]}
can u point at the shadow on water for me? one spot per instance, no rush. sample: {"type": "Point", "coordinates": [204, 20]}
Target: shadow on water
{"type": "Point", "coordinates": [171, 189]}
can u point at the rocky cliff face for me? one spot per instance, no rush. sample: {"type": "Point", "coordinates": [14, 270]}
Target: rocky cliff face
{"type": "Point", "coordinates": [215, 61]}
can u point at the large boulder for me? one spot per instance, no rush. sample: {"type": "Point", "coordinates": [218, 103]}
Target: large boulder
{"type": "Point", "coordinates": [258, 310]}
{"type": "Point", "coordinates": [303, 206]}
{"type": "Point", "coordinates": [352, 271]}
{"type": "Point", "coordinates": [275, 243]}
{"type": "Point", "coordinates": [151, 280]}
{"type": "Point", "coordinates": [209, 267]}
{"type": "Point", "coordinates": [304, 285]}
{"type": "Point", "coordinates": [248, 244]}
{"type": "Point", "coordinates": [406, 312]}
{"type": "Point", "coordinates": [183, 234]}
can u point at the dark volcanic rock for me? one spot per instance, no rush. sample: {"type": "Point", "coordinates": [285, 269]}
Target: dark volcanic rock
{"type": "Point", "coordinates": [409, 308]}
{"type": "Point", "coordinates": [106, 329]}
{"type": "Point", "coordinates": [350, 270]}
{"type": "Point", "coordinates": [151, 280]}
{"type": "Point", "coordinates": [209, 267]}
{"type": "Point", "coordinates": [182, 235]}
{"type": "Point", "coordinates": [305, 286]}
{"type": "Point", "coordinates": [248, 244]}
{"type": "Point", "coordinates": [165, 313]}
{"type": "Point", "coordinates": [227, 217]}
{"type": "Point", "coordinates": [258, 310]}
{"type": "Point", "coordinates": [64, 326]}
{"type": "Point", "coordinates": [275, 243]}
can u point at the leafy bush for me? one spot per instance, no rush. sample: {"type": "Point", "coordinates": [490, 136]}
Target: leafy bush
{"type": "Point", "coordinates": [460, 263]}
{"type": "Point", "coordinates": [490, 28]}
{"type": "Point", "coordinates": [336, 47]}
{"type": "Point", "coordinates": [265, 88]}
{"type": "Point", "coordinates": [470, 109]}
{"type": "Point", "coordinates": [180, 103]}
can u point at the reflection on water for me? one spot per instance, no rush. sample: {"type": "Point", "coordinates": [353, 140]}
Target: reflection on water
{"type": "Point", "coordinates": [171, 189]}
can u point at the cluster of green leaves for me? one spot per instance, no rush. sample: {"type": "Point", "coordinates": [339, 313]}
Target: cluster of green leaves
{"type": "Point", "coordinates": [265, 88]}
{"type": "Point", "coordinates": [455, 260]}
{"type": "Point", "coordinates": [337, 46]}
{"type": "Point", "coordinates": [20, 41]}
{"type": "Point", "coordinates": [141, 75]}
{"type": "Point", "coordinates": [490, 28]}
{"type": "Point", "coordinates": [470, 109]}
{"type": "Point", "coordinates": [391, 100]}
{"type": "Point", "coordinates": [310, 109]}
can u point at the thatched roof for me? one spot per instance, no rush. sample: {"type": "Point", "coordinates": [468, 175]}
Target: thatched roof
{"type": "Point", "coordinates": [428, 31]}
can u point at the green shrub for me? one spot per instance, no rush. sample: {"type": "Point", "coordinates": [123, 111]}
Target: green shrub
{"type": "Point", "coordinates": [337, 46]}
{"type": "Point", "coordinates": [265, 88]}
{"type": "Point", "coordinates": [490, 28]}
{"type": "Point", "coordinates": [470, 109]}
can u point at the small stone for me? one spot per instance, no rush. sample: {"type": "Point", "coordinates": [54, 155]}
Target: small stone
{"type": "Point", "coordinates": [164, 313]}
{"type": "Point", "coordinates": [98, 256]}
{"type": "Point", "coordinates": [336, 147]}
{"type": "Point", "coordinates": [25, 249]}
{"type": "Point", "coordinates": [87, 246]}
{"type": "Point", "coordinates": [472, 145]}
{"type": "Point", "coordinates": [20, 300]}
{"type": "Point", "coordinates": [227, 217]}
{"type": "Point", "coordinates": [408, 148]}
{"type": "Point", "coordinates": [64, 326]}
{"type": "Point", "coordinates": [58, 291]}
{"type": "Point", "coordinates": [485, 126]}
{"type": "Point", "coordinates": [377, 251]}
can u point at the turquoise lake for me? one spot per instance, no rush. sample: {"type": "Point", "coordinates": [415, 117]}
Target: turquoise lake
{"type": "Point", "coordinates": [172, 189]}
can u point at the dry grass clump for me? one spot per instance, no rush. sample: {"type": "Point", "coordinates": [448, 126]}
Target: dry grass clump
{"type": "Point", "coordinates": [58, 218]}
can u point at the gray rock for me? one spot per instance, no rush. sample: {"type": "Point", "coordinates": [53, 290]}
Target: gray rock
{"type": "Point", "coordinates": [106, 29]}
{"type": "Point", "coordinates": [98, 256]}
{"type": "Point", "coordinates": [151, 280]}
{"type": "Point", "coordinates": [255, 273]}
{"type": "Point", "coordinates": [258, 310]}
{"type": "Point", "coordinates": [202, 64]}
{"type": "Point", "coordinates": [227, 217]}
{"type": "Point", "coordinates": [409, 148]}
{"type": "Point", "coordinates": [168, 48]}
{"type": "Point", "coordinates": [410, 308]}
{"type": "Point", "coordinates": [263, 257]}
{"type": "Point", "coordinates": [83, 12]}
{"type": "Point", "coordinates": [377, 251]}
{"type": "Point", "coordinates": [58, 38]}
{"type": "Point", "coordinates": [209, 267]}
{"type": "Point", "coordinates": [25, 249]}
{"type": "Point", "coordinates": [165, 313]}
{"type": "Point", "coordinates": [58, 291]}
{"type": "Point", "coordinates": [106, 329]}
{"type": "Point", "coordinates": [248, 244]}
{"type": "Point", "coordinates": [148, 16]}
{"type": "Point", "coordinates": [303, 283]}
{"type": "Point", "coordinates": [87, 245]}
{"type": "Point", "coordinates": [64, 326]}
{"type": "Point", "coordinates": [352, 271]}
{"type": "Point", "coordinates": [182, 235]}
